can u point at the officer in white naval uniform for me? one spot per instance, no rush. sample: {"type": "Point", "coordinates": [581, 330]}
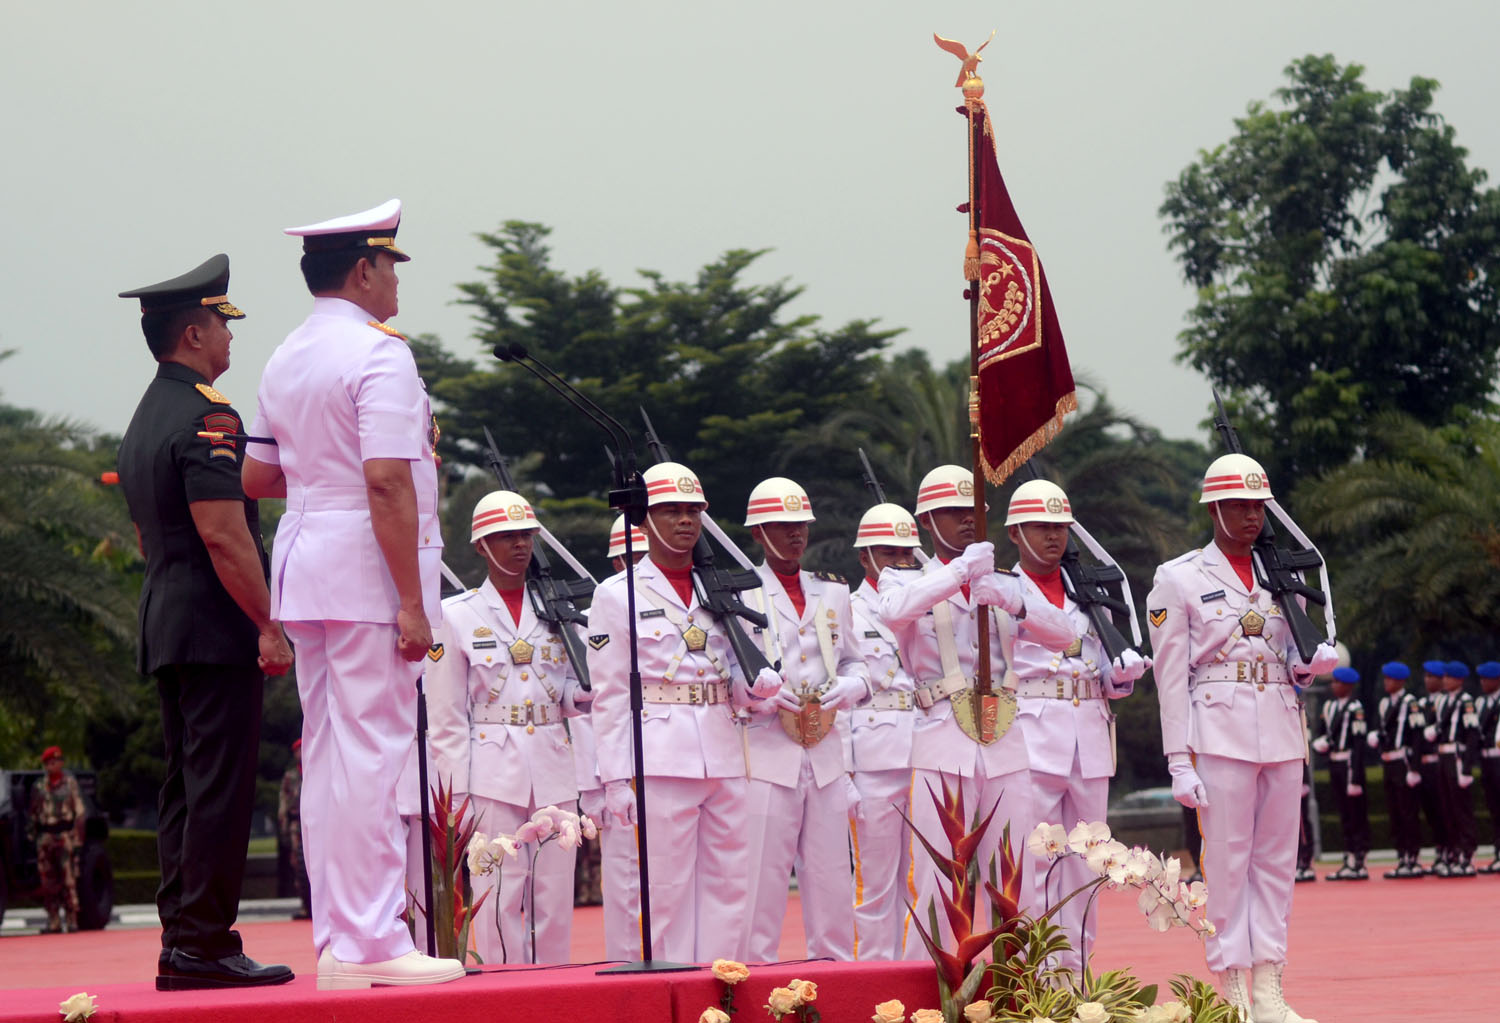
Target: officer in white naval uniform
{"type": "Point", "coordinates": [933, 613]}
{"type": "Point", "coordinates": [800, 795]}
{"type": "Point", "coordinates": [1064, 714]}
{"type": "Point", "coordinates": [354, 577]}
{"type": "Point", "coordinates": [619, 866]}
{"type": "Point", "coordinates": [880, 731]}
{"type": "Point", "coordinates": [1227, 673]}
{"type": "Point", "coordinates": [694, 758]}
{"type": "Point", "coordinates": [498, 691]}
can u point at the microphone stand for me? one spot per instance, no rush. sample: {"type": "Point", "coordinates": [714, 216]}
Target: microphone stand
{"type": "Point", "coordinates": [628, 495]}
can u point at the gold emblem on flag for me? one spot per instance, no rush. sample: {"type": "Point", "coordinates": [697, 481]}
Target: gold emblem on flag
{"type": "Point", "coordinates": [1252, 623]}
{"type": "Point", "coordinates": [520, 652]}
{"type": "Point", "coordinates": [696, 638]}
{"type": "Point", "coordinates": [1074, 648]}
{"type": "Point", "coordinates": [483, 631]}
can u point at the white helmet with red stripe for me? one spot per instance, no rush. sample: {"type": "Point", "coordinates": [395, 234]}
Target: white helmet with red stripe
{"type": "Point", "coordinates": [778, 499]}
{"type": "Point", "coordinates": [1235, 478]}
{"type": "Point", "coordinates": [1038, 501]}
{"type": "Point", "coordinates": [947, 486]}
{"type": "Point", "coordinates": [887, 525]}
{"type": "Point", "coordinates": [672, 483]}
{"type": "Point", "coordinates": [501, 511]}
{"type": "Point", "coordinates": [617, 539]}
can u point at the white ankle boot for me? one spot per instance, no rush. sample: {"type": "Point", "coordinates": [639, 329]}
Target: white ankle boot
{"type": "Point", "coordinates": [1270, 1006]}
{"type": "Point", "coordinates": [1235, 983]}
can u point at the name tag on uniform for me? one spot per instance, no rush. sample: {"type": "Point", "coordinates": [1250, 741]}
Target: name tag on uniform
{"type": "Point", "coordinates": [1215, 595]}
{"type": "Point", "coordinates": [655, 612]}
{"type": "Point", "coordinates": [872, 635]}
{"type": "Point", "coordinates": [484, 644]}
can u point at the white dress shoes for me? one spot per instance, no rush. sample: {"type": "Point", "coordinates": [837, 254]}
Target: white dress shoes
{"type": "Point", "coordinates": [410, 969]}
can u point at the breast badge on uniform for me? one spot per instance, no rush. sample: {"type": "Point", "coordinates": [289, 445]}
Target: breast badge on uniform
{"type": "Point", "coordinates": [696, 638]}
{"type": "Point", "coordinates": [1252, 623]}
{"type": "Point", "coordinates": [435, 652]}
{"type": "Point", "coordinates": [1075, 648]}
{"type": "Point", "coordinates": [520, 652]}
{"type": "Point", "coordinates": [1158, 618]}
{"type": "Point", "coordinates": [482, 631]}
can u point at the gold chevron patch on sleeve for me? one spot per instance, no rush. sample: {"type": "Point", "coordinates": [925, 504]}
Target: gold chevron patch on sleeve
{"type": "Point", "coordinates": [435, 652]}
{"type": "Point", "coordinates": [600, 641]}
{"type": "Point", "coordinates": [1158, 618]}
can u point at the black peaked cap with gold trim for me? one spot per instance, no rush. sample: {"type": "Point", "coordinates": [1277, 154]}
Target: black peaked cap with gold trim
{"type": "Point", "coordinates": [373, 228]}
{"type": "Point", "coordinates": [206, 286]}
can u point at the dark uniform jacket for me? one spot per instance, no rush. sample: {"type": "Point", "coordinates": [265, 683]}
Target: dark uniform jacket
{"type": "Point", "coordinates": [186, 615]}
{"type": "Point", "coordinates": [1342, 723]}
{"type": "Point", "coordinates": [1400, 728]}
{"type": "Point", "coordinates": [1458, 729]}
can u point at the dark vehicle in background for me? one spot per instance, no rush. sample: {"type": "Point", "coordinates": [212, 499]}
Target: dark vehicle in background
{"type": "Point", "coordinates": [18, 866]}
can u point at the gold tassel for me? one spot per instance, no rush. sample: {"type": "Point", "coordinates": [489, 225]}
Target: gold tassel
{"type": "Point", "coordinates": [971, 257]}
{"type": "Point", "coordinates": [998, 474]}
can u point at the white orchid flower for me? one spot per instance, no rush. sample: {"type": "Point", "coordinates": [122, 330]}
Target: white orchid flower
{"type": "Point", "coordinates": [1047, 841]}
{"type": "Point", "coordinates": [1088, 834]}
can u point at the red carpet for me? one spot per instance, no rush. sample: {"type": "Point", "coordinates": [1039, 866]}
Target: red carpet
{"type": "Point", "coordinates": [1378, 952]}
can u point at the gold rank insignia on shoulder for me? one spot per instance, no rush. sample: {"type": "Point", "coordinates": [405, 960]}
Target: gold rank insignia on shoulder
{"type": "Point", "coordinates": [1074, 648]}
{"type": "Point", "coordinates": [1158, 618]}
{"type": "Point", "coordinates": [435, 652]}
{"type": "Point", "coordinates": [211, 394]}
{"type": "Point", "coordinates": [392, 331]}
{"type": "Point", "coordinates": [482, 631]}
{"type": "Point", "coordinates": [696, 638]}
{"type": "Point", "coordinates": [1252, 623]}
{"type": "Point", "coordinates": [520, 652]}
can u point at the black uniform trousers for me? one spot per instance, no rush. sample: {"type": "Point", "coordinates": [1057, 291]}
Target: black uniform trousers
{"type": "Point", "coordinates": [210, 716]}
{"type": "Point", "coordinates": [1354, 811]}
{"type": "Point", "coordinates": [1489, 777]}
{"type": "Point", "coordinates": [1431, 796]}
{"type": "Point", "coordinates": [1402, 804]}
{"type": "Point", "coordinates": [1458, 807]}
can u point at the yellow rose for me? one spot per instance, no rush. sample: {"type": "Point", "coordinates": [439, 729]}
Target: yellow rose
{"type": "Point", "coordinates": [729, 971]}
{"type": "Point", "coordinates": [977, 1012]}
{"type": "Point", "coordinates": [781, 1001]}
{"type": "Point", "coordinates": [1090, 1012]}
{"type": "Point", "coordinates": [889, 1012]}
{"type": "Point", "coordinates": [806, 991]}
{"type": "Point", "coordinates": [712, 1015]}
{"type": "Point", "coordinates": [926, 1016]}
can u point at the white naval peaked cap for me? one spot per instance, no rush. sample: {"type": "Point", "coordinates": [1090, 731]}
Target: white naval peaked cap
{"type": "Point", "coordinates": [373, 228]}
{"type": "Point", "coordinates": [1038, 501]}
{"type": "Point", "coordinates": [947, 486]}
{"type": "Point", "coordinates": [887, 525]}
{"type": "Point", "coordinates": [778, 499]}
{"type": "Point", "coordinates": [672, 483]}
{"type": "Point", "coordinates": [501, 511]}
{"type": "Point", "coordinates": [617, 539]}
{"type": "Point", "coordinates": [1235, 478]}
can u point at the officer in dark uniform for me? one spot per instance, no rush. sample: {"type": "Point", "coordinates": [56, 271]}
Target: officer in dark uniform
{"type": "Point", "coordinates": [1341, 735]}
{"type": "Point", "coordinates": [1455, 734]}
{"type": "Point", "coordinates": [1398, 727]}
{"type": "Point", "coordinates": [1425, 715]}
{"type": "Point", "coordinates": [205, 629]}
{"type": "Point", "coordinates": [1488, 744]}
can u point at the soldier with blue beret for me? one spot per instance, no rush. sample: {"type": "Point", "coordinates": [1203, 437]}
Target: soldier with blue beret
{"type": "Point", "coordinates": [1455, 735]}
{"type": "Point", "coordinates": [1488, 707]}
{"type": "Point", "coordinates": [1423, 715]}
{"type": "Point", "coordinates": [1341, 735]}
{"type": "Point", "coordinates": [1398, 728]}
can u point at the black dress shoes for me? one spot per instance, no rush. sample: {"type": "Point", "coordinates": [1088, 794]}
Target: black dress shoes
{"type": "Point", "coordinates": [179, 971]}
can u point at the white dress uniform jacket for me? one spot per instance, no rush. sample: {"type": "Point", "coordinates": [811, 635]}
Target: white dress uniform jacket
{"type": "Point", "coordinates": [880, 738]}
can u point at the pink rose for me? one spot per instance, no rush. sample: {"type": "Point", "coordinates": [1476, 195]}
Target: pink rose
{"type": "Point", "coordinates": [927, 1016]}
{"type": "Point", "coordinates": [805, 990]}
{"type": "Point", "coordinates": [977, 1012]}
{"type": "Point", "coordinates": [729, 971]}
{"type": "Point", "coordinates": [889, 1012]}
{"type": "Point", "coordinates": [781, 1001]}
{"type": "Point", "coordinates": [712, 1015]}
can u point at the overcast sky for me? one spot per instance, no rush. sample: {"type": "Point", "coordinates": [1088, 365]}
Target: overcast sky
{"type": "Point", "coordinates": [139, 139]}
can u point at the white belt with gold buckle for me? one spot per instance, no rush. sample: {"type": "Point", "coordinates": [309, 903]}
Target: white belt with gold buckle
{"type": "Point", "coordinates": [691, 692]}
{"type": "Point", "coordinates": [1252, 672]}
{"type": "Point", "coordinates": [527, 713]}
{"type": "Point", "coordinates": [898, 700]}
{"type": "Point", "coordinates": [942, 689]}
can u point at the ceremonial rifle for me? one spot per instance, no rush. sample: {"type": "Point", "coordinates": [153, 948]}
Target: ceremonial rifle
{"type": "Point", "coordinates": [551, 598]}
{"type": "Point", "coordinates": [1278, 568]}
{"type": "Point", "coordinates": [719, 589]}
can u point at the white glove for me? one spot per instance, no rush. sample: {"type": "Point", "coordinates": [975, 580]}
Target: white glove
{"type": "Point", "coordinates": [1320, 744]}
{"type": "Point", "coordinates": [1373, 740]}
{"type": "Point", "coordinates": [576, 699]}
{"type": "Point", "coordinates": [619, 802]}
{"type": "Point", "coordinates": [1413, 779]}
{"type": "Point", "coordinates": [1129, 667]}
{"type": "Point", "coordinates": [1354, 790]}
{"type": "Point", "coordinates": [591, 805]}
{"type": "Point", "coordinates": [996, 590]}
{"type": "Point", "coordinates": [856, 804]}
{"type": "Point", "coordinates": [977, 559]}
{"type": "Point", "coordinates": [1430, 733]}
{"type": "Point", "coordinates": [766, 683]}
{"type": "Point", "coordinates": [1187, 787]}
{"type": "Point", "coordinates": [846, 691]}
{"type": "Point", "coordinates": [1324, 660]}
{"type": "Point", "coordinates": [1465, 779]}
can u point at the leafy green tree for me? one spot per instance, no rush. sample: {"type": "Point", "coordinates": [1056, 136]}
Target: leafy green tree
{"type": "Point", "coordinates": [1345, 258]}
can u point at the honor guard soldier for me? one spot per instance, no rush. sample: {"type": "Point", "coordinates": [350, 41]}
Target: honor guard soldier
{"type": "Point", "coordinates": [1341, 735]}
{"type": "Point", "coordinates": [55, 820]}
{"type": "Point", "coordinates": [355, 580]}
{"type": "Point", "coordinates": [1488, 709]}
{"type": "Point", "coordinates": [1398, 726]}
{"type": "Point", "coordinates": [1227, 673]}
{"type": "Point", "coordinates": [206, 632]}
{"type": "Point", "coordinates": [933, 613]}
{"type": "Point", "coordinates": [1064, 713]}
{"type": "Point", "coordinates": [800, 795]}
{"type": "Point", "coordinates": [880, 733]}
{"type": "Point", "coordinates": [694, 756]}
{"type": "Point", "coordinates": [1425, 714]}
{"type": "Point", "coordinates": [1455, 733]}
{"type": "Point", "coordinates": [498, 688]}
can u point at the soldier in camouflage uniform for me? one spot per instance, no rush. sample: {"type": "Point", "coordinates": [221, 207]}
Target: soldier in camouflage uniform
{"type": "Point", "coordinates": [57, 819]}
{"type": "Point", "coordinates": [289, 823]}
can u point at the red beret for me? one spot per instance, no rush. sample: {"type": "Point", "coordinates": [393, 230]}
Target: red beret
{"type": "Point", "coordinates": [50, 752]}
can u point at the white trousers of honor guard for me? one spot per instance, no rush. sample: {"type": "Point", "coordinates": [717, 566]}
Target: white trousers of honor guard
{"type": "Point", "coordinates": [1249, 857]}
{"type": "Point", "coordinates": [514, 901]}
{"type": "Point", "coordinates": [1065, 800]}
{"type": "Point", "coordinates": [1012, 793]}
{"type": "Point", "coordinates": [882, 857]}
{"type": "Point", "coordinates": [359, 703]}
{"type": "Point", "coordinates": [619, 879]}
{"type": "Point", "coordinates": [806, 828]}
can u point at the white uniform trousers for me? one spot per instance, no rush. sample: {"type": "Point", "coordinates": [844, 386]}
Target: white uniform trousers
{"type": "Point", "coordinates": [619, 880]}
{"type": "Point", "coordinates": [416, 877]}
{"type": "Point", "coordinates": [882, 854]}
{"type": "Point", "coordinates": [1012, 793]}
{"type": "Point", "coordinates": [523, 894]}
{"type": "Point", "coordinates": [1065, 800]}
{"type": "Point", "coordinates": [805, 828]}
{"type": "Point", "coordinates": [358, 718]}
{"type": "Point", "coordinates": [699, 866]}
{"type": "Point", "coordinates": [1249, 857]}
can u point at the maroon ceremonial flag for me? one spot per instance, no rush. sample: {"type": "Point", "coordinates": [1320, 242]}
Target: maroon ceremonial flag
{"type": "Point", "coordinates": [1025, 383]}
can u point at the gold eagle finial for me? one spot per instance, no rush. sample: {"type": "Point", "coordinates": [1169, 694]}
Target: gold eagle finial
{"type": "Point", "coordinates": [959, 50]}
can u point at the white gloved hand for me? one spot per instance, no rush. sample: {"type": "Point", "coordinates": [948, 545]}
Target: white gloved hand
{"type": "Point", "coordinates": [1187, 788]}
{"type": "Point", "coordinates": [1465, 779]}
{"type": "Point", "coordinates": [1430, 733]}
{"type": "Point", "coordinates": [1128, 668]}
{"type": "Point", "coordinates": [1413, 779]}
{"type": "Point", "coordinates": [976, 560]}
{"type": "Point", "coordinates": [846, 691]}
{"type": "Point", "coordinates": [619, 802]}
{"type": "Point", "coordinates": [1354, 790]}
{"type": "Point", "coordinates": [856, 803]}
{"type": "Point", "coordinates": [1320, 744]}
{"type": "Point", "coordinates": [591, 805]}
{"type": "Point", "coordinates": [766, 683]}
{"type": "Point", "coordinates": [996, 590]}
{"type": "Point", "coordinates": [576, 699]}
{"type": "Point", "coordinates": [1324, 660]}
{"type": "Point", "coordinates": [1373, 740]}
